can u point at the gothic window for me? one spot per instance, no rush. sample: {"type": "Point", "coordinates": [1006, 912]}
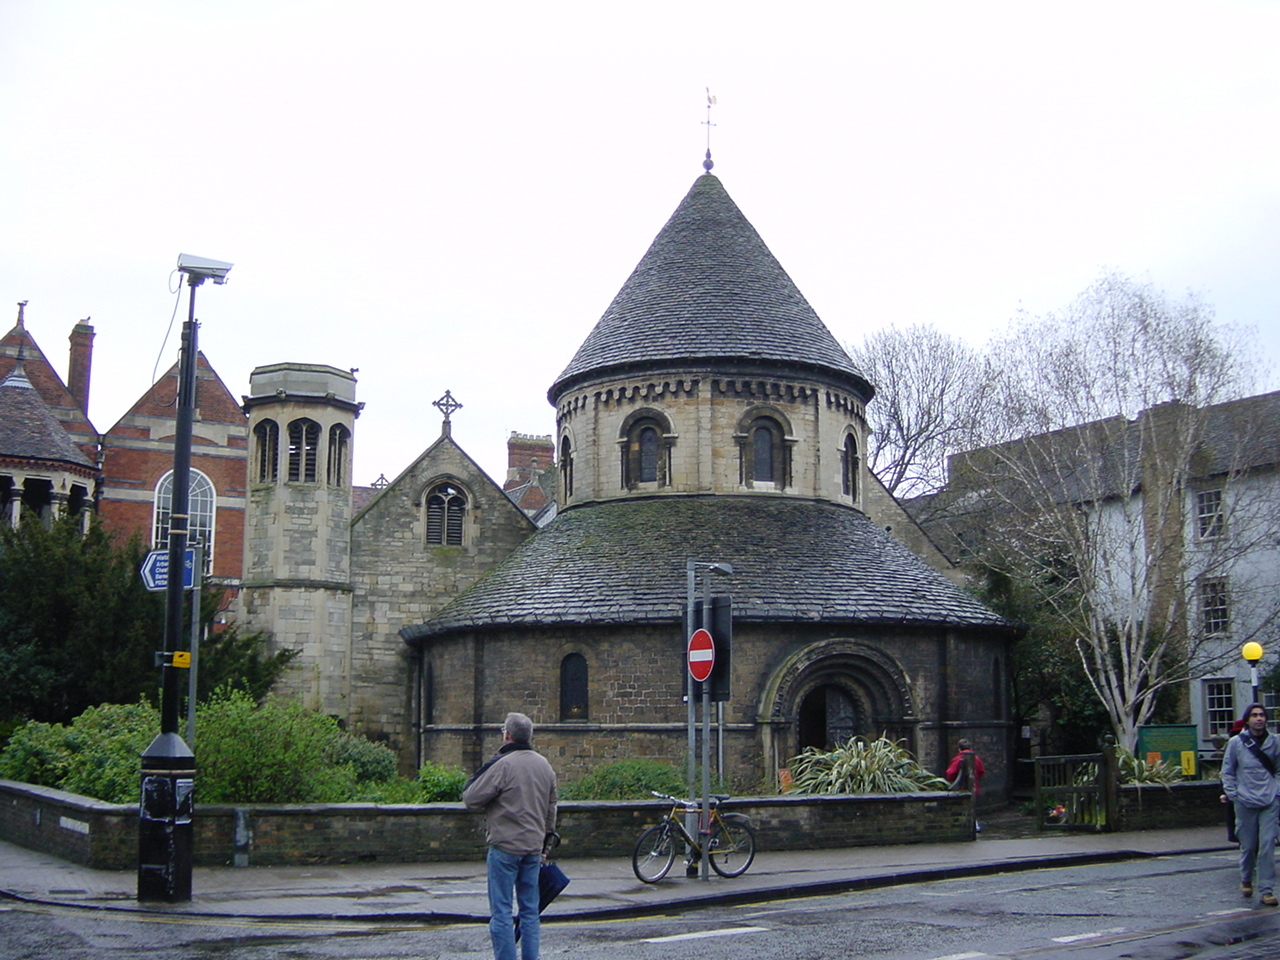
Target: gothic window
{"type": "Point", "coordinates": [201, 502]}
{"type": "Point", "coordinates": [573, 687]}
{"type": "Point", "coordinates": [1209, 517]}
{"type": "Point", "coordinates": [304, 441]}
{"type": "Point", "coordinates": [446, 511]}
{"type": "Point", "coordinates": [849, 463]}
{"type": "Point", "coordinates": [266, 438]}
{"type": "Point", "coordinates": [339, 450]}
{"type": "Point", "coordinates": [566, 467]}
{"type": "Point", "coordinates": [646, 443]}
{"type": "Point", "coordinates": [1215, 606]}
{"type": "Point", "coordinates": [765, 455]}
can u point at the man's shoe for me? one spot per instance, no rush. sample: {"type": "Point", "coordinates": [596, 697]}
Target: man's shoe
{"type": "Point", "coordinates": [1269, 900]}
{"type": "Point", "coordinates": [1246, 889]}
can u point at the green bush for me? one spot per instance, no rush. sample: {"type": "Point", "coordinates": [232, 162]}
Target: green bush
{"type": "Point", "coordinates": [96, 755]}
{"type": "Point", "coordinates": [861, 766]}
{"type": "Point", "coordinates": [626, 780]}
{"type": "Point", "coordinates": [439, 784]}
{"type": "Point", "coordinates": [371, 762]}
{"type": "Point", "coordinates": [276, 753]}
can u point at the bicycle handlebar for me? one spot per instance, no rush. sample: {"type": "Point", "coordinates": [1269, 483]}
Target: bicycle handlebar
{"type": "Point", "coordinates": [718, 798]}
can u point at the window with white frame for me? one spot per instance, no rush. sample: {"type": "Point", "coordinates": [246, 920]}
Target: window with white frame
{"type": "Point", "coordinates": [1209, 516]}
{"type": "Point", "coordinates": [1219, 706]}
{"type": "Point", "coordinates": [200, 509]}
{"type": "Point", "coordinates": [1215, 606]}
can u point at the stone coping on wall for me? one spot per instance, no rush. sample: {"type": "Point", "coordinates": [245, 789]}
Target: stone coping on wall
{"type": "Point", "coordinates": [104, 835]}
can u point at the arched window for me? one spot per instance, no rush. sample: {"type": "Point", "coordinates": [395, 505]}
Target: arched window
{"type": "Point", "coordinates": [646, 445]}
{"type": "Point", "coordinates": [849, 463]}
{"type": "Point", "coordinates": [266, 438]}
{"type": "Point", "coordinates": [304, 442]}
{"type": "Point", "coordinates": [202, 499]}
{"type": "Point", "coordinates": [573, 687]}
{"type": "Point", "coordinates": [446, 511]}
{"type": "Point", "coordinates": [765, 455]}
{"type": "Point", "coordinates": [566, 467]}
{"type": "Point", "coordinates": [339, 450]}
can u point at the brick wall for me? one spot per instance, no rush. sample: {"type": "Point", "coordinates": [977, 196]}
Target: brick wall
{"type": "Point", "coordinates": [104, 836]}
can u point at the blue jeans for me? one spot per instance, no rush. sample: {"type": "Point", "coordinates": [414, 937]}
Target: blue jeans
{"type": "Point", "coordinates": [508, 871]}
{"type": "Point", "coordinates": [1256, 829]}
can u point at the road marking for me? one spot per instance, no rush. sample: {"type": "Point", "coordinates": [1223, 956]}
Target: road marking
{"type": "Point", "coordinates": [704, 934]}
{"type": "Point", "coordinates": [1088, 936]}
{"type": "Point", "coordinates": [961, 956]}
{"type": "Point", "coordinates": [1228, 913]}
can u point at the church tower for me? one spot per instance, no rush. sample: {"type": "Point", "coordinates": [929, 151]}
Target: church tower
{"type": "Point", "coordinates": [297, 557]}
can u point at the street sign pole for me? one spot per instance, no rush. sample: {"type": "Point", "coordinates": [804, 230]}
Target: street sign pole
{"type": "Point", "coordinates": [197, 582]}
{"type": "Point", "coordinates": [706, 735]}
{"type": "Point", "coordinates": [691, 574]}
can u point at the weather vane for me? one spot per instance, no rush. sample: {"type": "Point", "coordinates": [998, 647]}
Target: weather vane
{"type": "Point", "coordinates": [711, 102]}
{"type": "Point", "coordinates": [447, 405]}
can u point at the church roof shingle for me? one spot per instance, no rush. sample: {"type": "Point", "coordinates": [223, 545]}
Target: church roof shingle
{"type": "Point", "coordinates": [798, 561]}
{"type": "Point", "coordinates": [28, 428]}
{"type": "Point", "coordinates": [708, 290]}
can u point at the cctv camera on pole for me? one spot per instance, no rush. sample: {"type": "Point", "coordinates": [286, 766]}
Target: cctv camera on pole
{"type": "Point", "coordinates": [167, 801]}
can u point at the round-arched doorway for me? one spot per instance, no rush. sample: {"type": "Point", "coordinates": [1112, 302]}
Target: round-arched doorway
{"type": "Point", "coordinates": [833, 690]}
{"type": "Point", "coordinates": [827, 717]}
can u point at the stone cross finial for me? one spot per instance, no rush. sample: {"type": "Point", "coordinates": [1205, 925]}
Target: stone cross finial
{"type": "Point", "coordinates": [446, 405]}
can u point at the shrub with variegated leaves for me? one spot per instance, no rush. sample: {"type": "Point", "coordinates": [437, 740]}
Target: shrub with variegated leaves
{"type": "Point", "coordinates": [861, 766]}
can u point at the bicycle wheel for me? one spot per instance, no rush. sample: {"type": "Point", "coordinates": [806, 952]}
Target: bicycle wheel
{"type": "Point", "coordinates": [732, 849]}
{"type": "Point", "coordinates": [654, 853]}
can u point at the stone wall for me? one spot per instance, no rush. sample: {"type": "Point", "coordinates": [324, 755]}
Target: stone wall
{"type": "Point", "coordinates": [104, 835]}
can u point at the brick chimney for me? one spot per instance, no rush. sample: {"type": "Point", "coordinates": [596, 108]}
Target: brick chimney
{"type": "Point", "coordinates": [527, 456]}
{"type": "Point", "coordinates": [80, 363]}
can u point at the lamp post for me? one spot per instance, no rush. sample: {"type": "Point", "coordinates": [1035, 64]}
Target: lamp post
{"type": "Point", "coordinates": [167, 796]}
{"type": "Point", "coordinates": [691, 574]}
{"type": "Point", "coordinates": [1252, 652]}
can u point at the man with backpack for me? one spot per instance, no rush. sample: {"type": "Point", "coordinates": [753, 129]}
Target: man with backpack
{"type": "Point", "coordinates": [1249, 767]}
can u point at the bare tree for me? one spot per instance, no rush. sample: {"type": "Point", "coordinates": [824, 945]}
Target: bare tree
{"type": "Point", "coordinates": [1138, 503]}
{"type": "Point", "coordinates": [930, 402]}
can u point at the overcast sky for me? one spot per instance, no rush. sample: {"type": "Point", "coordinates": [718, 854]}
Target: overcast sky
{"type": "Point", "coordinates": [448, 195]}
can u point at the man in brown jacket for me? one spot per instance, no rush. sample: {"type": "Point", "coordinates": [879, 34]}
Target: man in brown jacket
{"type": "Point", "coordinates": [517, 792]}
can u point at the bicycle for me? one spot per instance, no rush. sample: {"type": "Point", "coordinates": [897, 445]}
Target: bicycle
{"type": "Point", "coordinates": [730, 846]}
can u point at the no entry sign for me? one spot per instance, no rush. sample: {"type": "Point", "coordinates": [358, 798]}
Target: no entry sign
{"type": "Point", "coordinates": [701, 655]}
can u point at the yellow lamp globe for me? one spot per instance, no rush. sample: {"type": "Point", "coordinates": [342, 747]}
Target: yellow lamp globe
{"type": "Point", "coordinates": [1252, 651]}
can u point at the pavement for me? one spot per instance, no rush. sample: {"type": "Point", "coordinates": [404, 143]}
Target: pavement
{"type": "Point", "coordinates": [600, 888]}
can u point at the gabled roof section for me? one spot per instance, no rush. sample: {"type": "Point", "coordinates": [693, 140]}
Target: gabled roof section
{"type": "Point", "coordinates": [18, 344]}
{"type": "Point", "coordinates": [28, 428]}
{"type": "Point", "coordinates": [708, 291]}
{"type": "Point", "coordinates": [793, 562]}
{"type": "Point", "coordinates": [214, 401]}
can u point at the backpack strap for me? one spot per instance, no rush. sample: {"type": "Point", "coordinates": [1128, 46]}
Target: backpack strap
{"type": "Point", "coordinates": [1255, 748]}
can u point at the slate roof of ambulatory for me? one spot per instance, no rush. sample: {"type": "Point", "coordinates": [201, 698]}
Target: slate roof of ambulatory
{"type": "Point", "coordinates": [799, 561]}
{"type": "Point", "coordinates": [708, 292]}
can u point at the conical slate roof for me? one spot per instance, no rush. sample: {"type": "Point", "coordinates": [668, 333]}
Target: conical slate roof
{"type": "Point", "coordinates": [708, 290]}
{"type": "Point", "coordinates": [28, 428]}
{"type": "Point", "coordinates": [794, 561]}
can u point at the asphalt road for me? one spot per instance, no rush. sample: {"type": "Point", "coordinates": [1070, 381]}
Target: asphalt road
{"type": "Point", "coordinates": [1171, 908]}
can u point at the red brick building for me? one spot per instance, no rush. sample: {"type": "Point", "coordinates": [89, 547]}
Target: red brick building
{"type": "Point", "coordinates": [137, 460]}
{"type": "Point", "coordinates": [128, 480]}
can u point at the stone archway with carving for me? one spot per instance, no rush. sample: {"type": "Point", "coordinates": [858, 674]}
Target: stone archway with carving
{"type": "Point", "coordinates": [872, 679]}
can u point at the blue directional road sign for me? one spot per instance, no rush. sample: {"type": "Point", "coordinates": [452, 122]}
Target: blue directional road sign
{"type": "Point", "coordinates": [155, 570]}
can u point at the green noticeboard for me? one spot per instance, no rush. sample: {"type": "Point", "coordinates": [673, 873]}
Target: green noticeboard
{"type": "Point", "coordinates": [1174, 743]}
